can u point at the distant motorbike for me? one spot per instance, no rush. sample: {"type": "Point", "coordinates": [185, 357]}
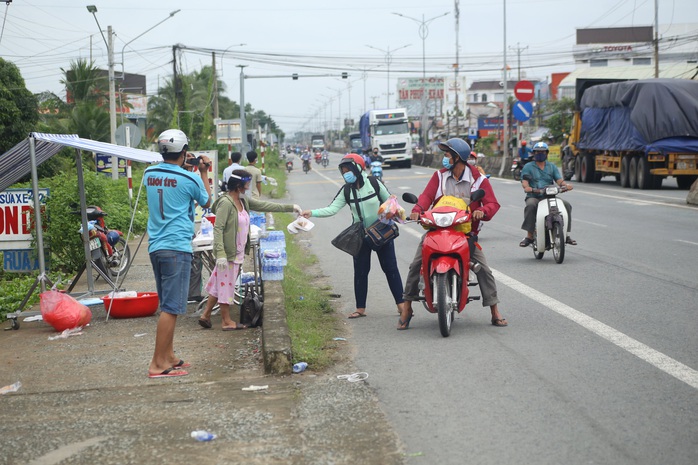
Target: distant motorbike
{"type": "Point", "coordinates": [109, 249]}
{"type": "Point", "coordinates": [306, 166]}
{"type": "Point", "coordinates": [517, 165]}
{"type": "Point", "coordinates": [289, 165]}
{"type": "Point", "coordinates": [551, 221]}
{"type": "Point", "coordinates": [377, 169]}
{"type": "Point", "coordinates": [325, 160]}
{"type": "Point", "coordinates": [446, 261]}
{"type": "Point", "coordinates": [318, 157]}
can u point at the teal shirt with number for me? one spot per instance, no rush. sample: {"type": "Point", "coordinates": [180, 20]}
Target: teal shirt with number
{"type": "Point", "coordinates": [172, 191]}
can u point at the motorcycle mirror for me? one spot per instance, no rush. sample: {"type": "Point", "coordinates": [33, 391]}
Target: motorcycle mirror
{"type": "Point", "coordinates": [477, 195]}
{"type": "Point", "coordinates": [409, 198]}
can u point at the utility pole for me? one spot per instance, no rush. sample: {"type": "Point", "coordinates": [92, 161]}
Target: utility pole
{"type": "Point", "coordinates": [215, 86]}
{"type": "Point", "coordinates": [656, 39]}
{"type": "Point", "coordinates": [505, 103]}
{"type": "Point", "coordinates": [112, 104]}
{"type": "Point", "coordinates": [373, 101]}
{"type": "Point", "coordinates": [457, 66]}
{"type": "Point", "coordinates": [243, 122]}
{"type": "Point", "coordinates": [518, 51]}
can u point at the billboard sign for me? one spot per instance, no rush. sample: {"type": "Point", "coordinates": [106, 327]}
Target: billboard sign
{"type": "Point", "coordinates": [228, 131]}
{"type": "Point", "coordinates": [16, 221]}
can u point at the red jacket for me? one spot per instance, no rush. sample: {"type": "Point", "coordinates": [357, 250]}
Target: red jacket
{"type": "Point", "coordinates": [432, 193]}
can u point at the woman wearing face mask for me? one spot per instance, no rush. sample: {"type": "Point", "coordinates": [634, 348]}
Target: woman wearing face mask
{"type": "Point", "coordinates": [458, 178]}
{"type": "Point", "coordinates": [362, 195]}
{"type": "Point", "coordinates": [231, 241]}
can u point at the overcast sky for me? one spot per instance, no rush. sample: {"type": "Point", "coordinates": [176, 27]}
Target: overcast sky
{"type": "Point", "coordinates": [314, 37]}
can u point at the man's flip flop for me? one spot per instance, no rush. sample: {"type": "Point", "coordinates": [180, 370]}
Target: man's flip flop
{"type": "Point", "coordinates": [356, 315]}
{"type": "Point", "coordinates": [239, 326]}
{"type": "Point", "coordinates": [206, 324]}
{"type": "Point", "coordinates": [169, 373]}
{"type": "Point", "coordinates": [181, 364]}
{"type": "Point", "coordinates": [499, 322]}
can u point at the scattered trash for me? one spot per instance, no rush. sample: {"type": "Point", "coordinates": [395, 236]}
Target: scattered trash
{"type": "Point", "coordinates": [414, 454]}
{"type": "Point", "coordinates": [354, 377]}
{"type": "Point", "coordinates": [140, 335]}
{"type": "Point", "coordinates": [203, 436]}
{"type": "Point", "coordinates": [256, 388]}
{"type": "Point", "coordinates": [335, 296]}
{"type": "Point", "coordinates": [33, 318]}
{"type": "Point", "coordinates": [11, 388]}
{"type": "Point", "coordinates": [67, 333]}
{"type": "Point", "coordinates": [339, 338]}
{"type": "Point", "coordinates": [300, 367]}
{"type": "Point", "coordinates": [91, 302]}
{"type": "Point", "coordinates": [301, 298]}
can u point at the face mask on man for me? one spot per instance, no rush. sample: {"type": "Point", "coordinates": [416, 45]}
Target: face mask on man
{"type": "Point", "coordinates": [446, 162]}
{"type": "Point", "coordinates": [349, 177]}
{"type": "Point", "coordinates": [472, 161]}
{"type": "Point", "coordinates": [540, 156]}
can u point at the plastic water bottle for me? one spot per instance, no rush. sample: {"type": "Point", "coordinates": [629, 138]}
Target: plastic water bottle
{"type": "Point", "coordinates": [206, 227]}
{"type": "Point", "coordinates": [299, 367]}
{"type": "Point", "coordinates": [203, 436]}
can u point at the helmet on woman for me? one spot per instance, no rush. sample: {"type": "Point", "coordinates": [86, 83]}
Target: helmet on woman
{"type": "Point", "coordinates": [355, 163]}
{"type": "Point", "coordinates": [456, 146]}
{"type": "Point", "coordinates": [172, 141]}
{"type": "Point", "coordinates": [523, 143]}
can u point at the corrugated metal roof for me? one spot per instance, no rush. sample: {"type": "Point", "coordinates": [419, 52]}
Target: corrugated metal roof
{"type": "Point", "coordinates": [16, 163]}
{"type": "Point", "coordinates": [675, 70]}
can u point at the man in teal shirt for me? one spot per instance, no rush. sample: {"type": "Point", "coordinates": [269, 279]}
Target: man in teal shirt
{"type": "Point", "coordinates": [171, 192]}
{"type": "Point", "coordinates": [536, 176]}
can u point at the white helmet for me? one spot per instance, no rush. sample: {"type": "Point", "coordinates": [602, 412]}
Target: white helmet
{"type": "Point", "coordinates": [172, 141]}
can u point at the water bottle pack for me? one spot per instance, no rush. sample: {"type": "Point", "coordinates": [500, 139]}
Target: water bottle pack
{"type": "Point", "coordinates": [259, 220]}
{"type": "Point", "coordinates": [273, 250]}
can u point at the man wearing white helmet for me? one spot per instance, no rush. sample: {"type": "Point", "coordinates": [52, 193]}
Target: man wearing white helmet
{"type": "Point", "coordinates": [536, 176]}
{"type": "Point", "coordinates": [172, 191]}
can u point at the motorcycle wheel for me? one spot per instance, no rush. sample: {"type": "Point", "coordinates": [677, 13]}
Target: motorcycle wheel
{"type": "Point", "coordinates": [536, 254]}
{"type": "Point", "coordinates": [558, 243]}
{"type": "Point", "coordinates": [443, 301]}
{"type": "Point", "coordinates": [120, 259]}
{"type": "Point", "coordinates": [517, 174]}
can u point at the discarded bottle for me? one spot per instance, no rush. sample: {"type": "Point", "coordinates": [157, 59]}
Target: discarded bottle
{"type": "Point", "coordinates": [14, 387]}
{"type": "Point", "coordinates": [299, 367]}
{"type": "Point", "coordinates": [203, 436]}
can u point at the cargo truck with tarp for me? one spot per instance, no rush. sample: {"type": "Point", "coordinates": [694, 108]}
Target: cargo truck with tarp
{"type": "Point", "coordinates": [638, 131]}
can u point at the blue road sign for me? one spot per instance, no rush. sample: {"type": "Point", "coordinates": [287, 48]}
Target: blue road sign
{"type": "Point", "coordinates": [522, 111]}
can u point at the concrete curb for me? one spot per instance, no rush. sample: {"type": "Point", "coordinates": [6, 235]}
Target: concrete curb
{"type": "Point", "coordinates": [276, 341]}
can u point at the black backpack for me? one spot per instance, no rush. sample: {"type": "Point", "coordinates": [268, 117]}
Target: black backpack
{"type": "Point", "coordinates": [374, 183]}
{"type": "Point", "coordinates": [252, 307]}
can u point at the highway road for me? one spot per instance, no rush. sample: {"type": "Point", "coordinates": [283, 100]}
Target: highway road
{"type": "Point", "coordinates": [599, 361]}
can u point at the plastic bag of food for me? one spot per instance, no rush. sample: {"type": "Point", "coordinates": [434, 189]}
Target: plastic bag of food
{"type": "Point", "coordinates": [62, 311]}
{"type": "Point", "coordinates": [391, 210]}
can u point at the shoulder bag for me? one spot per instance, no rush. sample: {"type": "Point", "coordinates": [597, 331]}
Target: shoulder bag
{"type": "Point", "coordinates": [351, 239]}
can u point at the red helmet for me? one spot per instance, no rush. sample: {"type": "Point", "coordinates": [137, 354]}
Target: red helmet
{"type": "Point", "coordinates": [353, 158]}
{"type": "Point", "coordinates": [523, 143]}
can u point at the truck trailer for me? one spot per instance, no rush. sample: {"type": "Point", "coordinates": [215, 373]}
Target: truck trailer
{"type": "Point", "coordinates": [638, 131]}
{"type": "Point", "coordinates": [317, 142]}
{"type": "Point", "coordinates": [389, 131]}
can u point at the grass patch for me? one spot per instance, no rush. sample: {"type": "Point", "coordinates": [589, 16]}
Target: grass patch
{"type": "Point", "coordinates": [312, 321]}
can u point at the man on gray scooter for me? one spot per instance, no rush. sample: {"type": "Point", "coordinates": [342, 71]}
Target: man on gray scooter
{"type": "Point", "coordinates": [536, 176]}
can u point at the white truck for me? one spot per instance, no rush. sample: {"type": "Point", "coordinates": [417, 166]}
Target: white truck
{"type": "Point", "coordinates": [389, 131]}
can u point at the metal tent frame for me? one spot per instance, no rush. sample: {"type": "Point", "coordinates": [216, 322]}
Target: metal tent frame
{"type": "Point", "coordinates": [26, 156]}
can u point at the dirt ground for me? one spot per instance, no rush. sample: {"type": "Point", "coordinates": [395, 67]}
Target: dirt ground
{"type": "Point", "coordinates": [86, 399]}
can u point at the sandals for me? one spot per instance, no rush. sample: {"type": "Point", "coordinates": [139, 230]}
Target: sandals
{"type": "Point", "coordinates": [526, 242]}
{"type": "Point", "coordinates": [570, 241]}
{"type": "Point", "coordinates": [356, 315]}
{"type": "Point", "coordinates": [499, 322]}
{"type": "Point", "coordinates": [403, 325]}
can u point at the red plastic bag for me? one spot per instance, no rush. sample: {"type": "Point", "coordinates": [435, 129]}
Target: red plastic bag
{"type": "Point", "coordinates": [62, 311]}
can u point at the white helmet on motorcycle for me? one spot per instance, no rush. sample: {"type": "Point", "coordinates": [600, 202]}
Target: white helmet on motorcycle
{"type": "Point", "coordinates": [540, 151]}
{"type": "Point", "coordinates": [172, 141]}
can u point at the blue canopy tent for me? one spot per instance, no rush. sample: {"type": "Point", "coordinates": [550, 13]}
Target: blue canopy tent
{"type": "Point", "coordinates": [27, 155]}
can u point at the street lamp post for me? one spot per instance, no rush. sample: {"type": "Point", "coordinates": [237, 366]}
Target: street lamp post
{"type": "Point", "coordinates": [423, 34]}
{"type": "Point", "coordinates": [141, 35]}
{"type": "Point", "coordinates": [243, 123]}
{"type": "Point", "coordinates": [112, 90]}
{"type": "Point", "coordinates": [388, 60]}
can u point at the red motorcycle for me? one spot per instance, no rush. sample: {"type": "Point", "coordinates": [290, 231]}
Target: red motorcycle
{"type": "Point", "coordinates": [446, 261]}
{"type": "Point", "coordinates": [318, 157]}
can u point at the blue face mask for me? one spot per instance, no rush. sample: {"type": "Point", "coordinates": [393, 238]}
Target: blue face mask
{"type": "Point", "coordinates": [540, 156]}
{"type": "Point", "coordinates": [349, 177]}
{"type": "Point", "coordinates": [447, 163]}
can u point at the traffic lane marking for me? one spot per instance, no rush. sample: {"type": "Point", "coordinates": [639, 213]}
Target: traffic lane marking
{"type": "Point", "coordinates": [686, 242]}
{"type": "Point", "coordinates": [655, 358]}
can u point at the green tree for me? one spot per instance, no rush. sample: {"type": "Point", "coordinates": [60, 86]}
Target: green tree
{"type": "Point", "coordinates": [18, 107]}
{"type": "Point", "coordinates": [557, 115]}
